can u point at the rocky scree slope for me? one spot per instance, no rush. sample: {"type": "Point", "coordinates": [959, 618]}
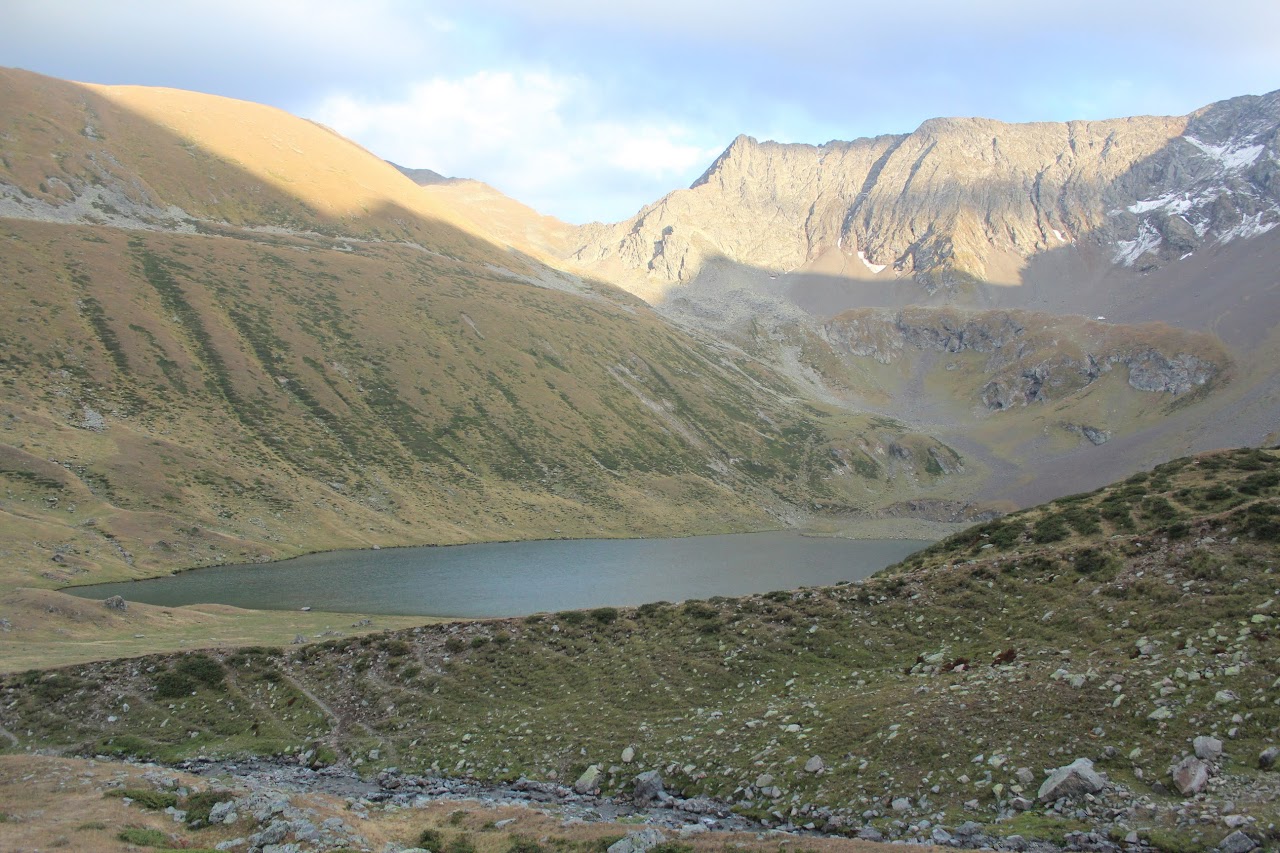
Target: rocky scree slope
{"type": "Point", "coordinates": [1033, 357]}
{"type": "Point", "coordinates": [1132, 628]}
{"type": "Point", "coordinates": [961, 199]}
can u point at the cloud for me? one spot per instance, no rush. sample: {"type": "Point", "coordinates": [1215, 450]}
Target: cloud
{"type": "Point", "coordinates": [546, 139]}
{"type": "Point", "coordinates": [590, 110]}
{"type": "Point", "coordinates": [262, 51]}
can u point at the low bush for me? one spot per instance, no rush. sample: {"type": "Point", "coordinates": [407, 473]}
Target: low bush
{"type": "Point", "coordinates": [143, 836]}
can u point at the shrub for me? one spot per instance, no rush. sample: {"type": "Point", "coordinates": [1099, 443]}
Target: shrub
{"type": "Point", "coordinates": [396, 648]}
{"type": "Point", "coordinates": [1256, 483]}
{"type": "Point", "coordinates": [1159, 508]}
{"type": "Point", "coordinates": [198, 806]}
{"type": "Point", "coordinates": [1093, 561]}
{"type": "Point", "coordinates": [605, 615]}
{"type": "Point", "coordinates": [454, 645]}
{"type": "Point", "coordinates": [698, 610]}
{"type": "Point", "coordinates": [201, 668]}
{"type": "Point", "coordinates": [572, 617]}
{"type": "Point", "coordinates": [143, 837]}
{"type": "Point", "coordinates": [479, 642]}
{"type": "Point", "coordinates": [431, 840]}
{"type": "Point", "coordinates": [171, 685]}
{"type": "Point", "coordinates": [147, 798]}
{"type": "Point", "coordinates": [1051, 528]}
{"type": "Point", "coordinates": [1116, 513]}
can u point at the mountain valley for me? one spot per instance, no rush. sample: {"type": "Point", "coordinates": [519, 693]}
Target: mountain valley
{"type": "Point", "coordinates": [230, 335]}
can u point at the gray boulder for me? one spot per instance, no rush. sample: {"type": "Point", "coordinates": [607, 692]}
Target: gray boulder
{"type": "Point", "coordinates": [115, 602]}
{"type": "Point", "coordinates": [1190, 775]}
{"type": "Point", "coordinates": [815, 765]}
{"type": "Point", "coordinates": [648, 788]}
{"type": "Point", "coordinates": [1267, 758]}
{"type": "Point", "coordinates": [588, 781]}
{"type": "Point", "coordinates": [1207, 748]}
{"type": "Point", "coordinates": [1236, 842]}
{"type": "Point", "coordinates": [638, 842]}
{"type": "Point", "coordinates": [224, 812]}
{"type": "Point", "coordinates": [1074, 780]}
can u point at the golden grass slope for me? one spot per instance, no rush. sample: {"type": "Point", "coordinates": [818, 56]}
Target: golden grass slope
{"type": "Point", "coordinates": [179, 400]}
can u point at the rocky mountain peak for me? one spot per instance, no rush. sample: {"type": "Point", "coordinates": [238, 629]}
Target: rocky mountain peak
{"type": "Point", "coordinates": [962, 199]}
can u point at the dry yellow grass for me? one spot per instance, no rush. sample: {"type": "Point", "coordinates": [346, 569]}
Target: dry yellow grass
{"type": "Point", "coordinates": [43, 628]}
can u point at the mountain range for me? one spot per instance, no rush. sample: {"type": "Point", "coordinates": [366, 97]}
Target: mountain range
{"type": "Point", "coordinates": [232, 334]}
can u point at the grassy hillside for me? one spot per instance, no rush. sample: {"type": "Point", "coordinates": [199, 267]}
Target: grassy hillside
{"type": "Point", "coordinates": [176, 400]}
{"type": "Point", "coordinates": [229, 334]}
{"type": "Point", "coordinates": [1115, 626]}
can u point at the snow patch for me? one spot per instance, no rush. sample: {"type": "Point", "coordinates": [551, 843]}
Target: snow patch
{"type": "Point", "coordinates": [1231, 157]}
{"type": "Point", "coordinates": [1250, 226]}
{"type": "Point", "coordinates": [875, 268]}
{"type": "Point", "coordinates": [1058, 234]}
{"type": "Point", "coordinates": [1175, 203]}
{"type": "Point", "coordinates": [1128, 251]}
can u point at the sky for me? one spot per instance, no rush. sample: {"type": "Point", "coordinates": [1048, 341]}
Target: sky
{"type": "Point", "coordinates": [588, 111]}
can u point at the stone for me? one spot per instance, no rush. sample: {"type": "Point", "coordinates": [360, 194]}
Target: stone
{"type": "Point", "coordinates": [1074, 780]}
{"type": "Point", "coordinates": [648, 788]}
{"type": "Point", "coordinates": [1236, 842]}
{"type": "Point", "coordinates": [628, 755]}
{"type": "Point", "coordinates": [1267, 758]}
{"type": "Point", "coordinates": [901, 804]}
{"type": "Point", "coordinates": [940, 836]}
{"type": "Point", "coordinates": [815, 765]}
{"type": "Point", "coordinates": [224, 812]}
{"type": "Point", "coordinates": [764, 780]}
{"type": "Point", "coordinates": [1190, 775]}
{"type": "Point", "coordinates": [1207, 748]}
{"type": "Point", "coordinates": [870, 833]}
{"type": "Point", "coordinates": [115, 602]}
{"type": "Point", "coordinates": [638, 842]}
{"type": "Point", "coordinates": [589, 780]}
{"type": "Point", "coordinates": [273, 834]}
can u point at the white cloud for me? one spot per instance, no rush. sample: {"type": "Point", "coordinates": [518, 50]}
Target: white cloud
{"type": "Point", "coordinates": [538, 136]}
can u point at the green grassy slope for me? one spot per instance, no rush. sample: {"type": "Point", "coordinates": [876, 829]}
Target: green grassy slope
{"type": "Point", "coordinates": [1115, 626]}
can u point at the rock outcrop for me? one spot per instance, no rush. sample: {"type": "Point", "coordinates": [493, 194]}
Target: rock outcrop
{"type": "Point", "coordinates": [1034, 357]}
{"type": "Point", "coordinates": [963, 199]}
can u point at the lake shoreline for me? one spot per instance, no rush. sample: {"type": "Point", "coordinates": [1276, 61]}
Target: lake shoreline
{"type": "Point", "coordinates": [504, 579]}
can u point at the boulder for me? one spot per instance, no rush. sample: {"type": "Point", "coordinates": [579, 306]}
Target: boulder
{"type": "Point", "coordinates": [115, 602]}
{"type": "Point", "coordinates": [815, 765]}
{"type": "Point", "coordinates": [588, 781]}
{"type": "Point", "coordinates": [638, 842]}
{"type": "Point", "coordinates": [648, 788]}
{"type": "Point", "coordinates": [1190, 775]}
{"type": "Point", "coordinates": [1074, 780]}
{"type": "Point", "coordinates": [901, 804]}
{"type": "Point", "coordinates": [224, 812]}
{"type": "Point", "coordinates": [1267, 758]}
{"type": "Point", "coordinates": [1207, 748]}
{"type": "Point", "coordinates": [1236, 842]}
{"type": "Point", "coordinates": [628, 755]}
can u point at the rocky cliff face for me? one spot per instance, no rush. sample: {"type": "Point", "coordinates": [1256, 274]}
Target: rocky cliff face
{"type": "Point", "coordinates": [1033, 357]}
{"type": "Point", "coordinates": [962, 199]}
